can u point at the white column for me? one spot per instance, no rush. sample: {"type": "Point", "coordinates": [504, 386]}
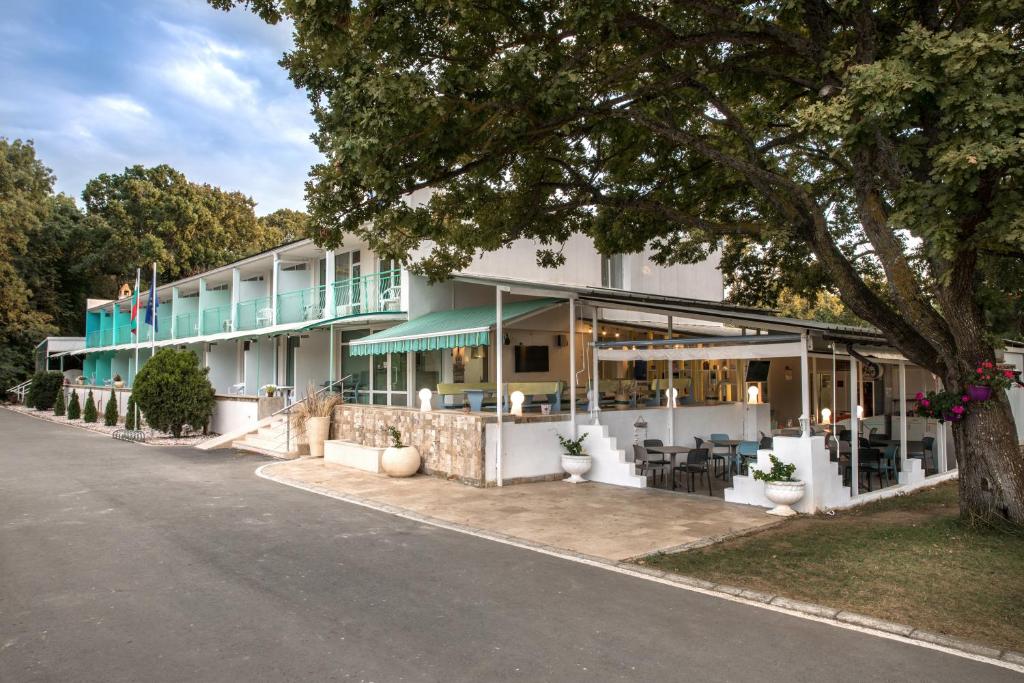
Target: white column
{"type": "Point", "coordinates": [329, 306]}
{"type": "Point", "coordinates": [273, 288]}
{"type": "Point", "coordinates": [572, 365]}
{"type": "Point", "coordinates": [805, 380]}
{"type": "Point", "coordinates": [903, 416]}
{"type": "Point", "coordinates": [174, 313]}
{"type": "Point", "coordinates": [595, 398]}
{"type": "Point", "coordinates": [854, 429]}
{"type": "Point", "coordinates": [236, 287]}
{"type": "Point", "coordinates": [200, 307]}
{"type": "Point", "coordinates": [499, 343]}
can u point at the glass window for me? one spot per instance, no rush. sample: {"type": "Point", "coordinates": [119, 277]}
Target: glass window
{"type": "Point", "coordinates": [399, 371]}
{"type": "Point", "coordinates": [611, 271]}
{"type": "Point", "coordinates": [428, 369]}
{"type": "Point", "coordinates": [356, 366]}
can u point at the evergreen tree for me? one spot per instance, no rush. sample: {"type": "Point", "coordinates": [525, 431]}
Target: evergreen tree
{"type": "Point", "coordinates": [174, 392]}
{"type": "Point", "coordinates": [110, 413]}
{"type": "Point", "coordinates": [89, 412]}
{"type": "Point", "coordinates": [74, 407]}
{"type": "Point", "coordinates": [129, 413]}
{"type": "Point", "coordinates": [58, 404]}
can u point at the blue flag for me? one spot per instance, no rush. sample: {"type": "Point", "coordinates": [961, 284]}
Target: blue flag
{"type": "Point", "coordinates": [153, 305]}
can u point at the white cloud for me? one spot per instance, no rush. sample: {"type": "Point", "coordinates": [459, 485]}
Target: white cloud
{"type": "Point", "coordinates": [196, 67]}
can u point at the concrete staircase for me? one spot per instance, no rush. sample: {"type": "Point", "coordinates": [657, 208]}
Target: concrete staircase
{"type": "Point", "coordinates": [271, 438]}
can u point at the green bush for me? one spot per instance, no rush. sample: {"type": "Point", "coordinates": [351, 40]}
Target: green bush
{"type": "Point", "coordinates": [42, 392]}
{"type": "Point", "coordinates": [110, 412]}
{"type": "Point", "coordinates": [89, 412]}
{"type": "Point", "coordinates": [129, 413]}
{"type": "Point", "coordinates": [74, 407]}
{"type": "Point", "coordinates": [59, 408]}
{"type": "Point", "coordinates": [173, 391]}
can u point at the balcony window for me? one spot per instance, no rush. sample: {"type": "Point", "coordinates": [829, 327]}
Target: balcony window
{"type": "Point", "coordinates": [611, 271]}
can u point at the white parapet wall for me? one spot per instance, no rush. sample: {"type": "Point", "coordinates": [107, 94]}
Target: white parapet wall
{"type": "Point", "coordinates": [824, 481]}
{"type": "Point", "coordinates": [234, 413]}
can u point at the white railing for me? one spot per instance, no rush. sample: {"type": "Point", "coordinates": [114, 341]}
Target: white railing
{"type": "Point", "coordinates": [19, 390]}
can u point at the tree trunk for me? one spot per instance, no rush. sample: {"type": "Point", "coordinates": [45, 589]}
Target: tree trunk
{"type": "Point", "coordinates": [991, 463]}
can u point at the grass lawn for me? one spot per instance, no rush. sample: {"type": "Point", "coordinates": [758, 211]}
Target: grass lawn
{"type": "Point", "coordinates": [907, 559]}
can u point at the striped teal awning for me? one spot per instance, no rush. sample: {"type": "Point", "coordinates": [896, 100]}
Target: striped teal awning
{"type": "Point", "coordinates": [447, 329]}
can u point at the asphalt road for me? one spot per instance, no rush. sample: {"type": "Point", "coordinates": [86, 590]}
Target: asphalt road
{"type": "Point", "coordinates": [126, 563]}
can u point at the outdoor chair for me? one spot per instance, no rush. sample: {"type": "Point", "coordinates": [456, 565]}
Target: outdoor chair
{"type": "Point", "coordinates": [719, 458]}
{"type": "Point", "coordinates": [928, 449]}
{"type": "Point", "coordinates": [646, 464]}
{"type": "Point", "coordinates": [655, 443]}
{"type": "Point", "coordinates": [766, 442]}
{"type": "Point", "coordinates": [745, 452]}
{"type": "Point", "coordinates": [696, 463]}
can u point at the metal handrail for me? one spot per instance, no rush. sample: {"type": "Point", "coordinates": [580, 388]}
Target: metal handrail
{"type": "Point", "coordinates": [20, 390]}
{"type": "Point", "coordinates": [288, 409]}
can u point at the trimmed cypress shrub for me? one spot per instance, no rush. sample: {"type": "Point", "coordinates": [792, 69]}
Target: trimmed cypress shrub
{"type": "Point", "coordinates": [89, 412]}
{"type": "Point", "coordinates": [173, 391]}
{"type": "Point", "coordinates": [42, 392]}
{"type": "Point", "coordinates": [129, 413]}
{"type": "Point", "coordinates": [74, 407]}
{"type": "Point", "coordinates": [110, 413]}
{"type": "Point", "coordinates": [58, 404]}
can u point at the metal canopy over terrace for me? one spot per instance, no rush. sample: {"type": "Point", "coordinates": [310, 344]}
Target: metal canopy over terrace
{"type": "Point", "coordinates": [448, 329]}
{"type": "Point", "coordinates": [704, 348]}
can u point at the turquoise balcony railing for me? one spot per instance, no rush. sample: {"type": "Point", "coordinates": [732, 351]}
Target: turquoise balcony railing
{"type": "Point", "coordinates": [254, 313]}
{"type": "Point", "coordinates": [186, 325]}
{"type": "Point", "coordinates": [372, 293]}
{"type": "Point", "coordinates": [164, 323]}
{"type": "Point", "coordinates": [106, 337]}
{"type": "Point", "coordinates": [92, 339]}
{"type": "Point", "coordinates": [217, 319]}
{"type": "Point", "coordinates": [300, 305]}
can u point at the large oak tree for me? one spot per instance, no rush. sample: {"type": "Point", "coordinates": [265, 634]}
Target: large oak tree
{"type": "Point", "coordinates": [882, 138]}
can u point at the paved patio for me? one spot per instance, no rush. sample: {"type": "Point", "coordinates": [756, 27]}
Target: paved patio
{"type": "Point", "coordinates": [600, 520]}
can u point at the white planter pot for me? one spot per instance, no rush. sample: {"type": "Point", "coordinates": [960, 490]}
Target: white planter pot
{"type": "Point", "coordinates": [317, 431]}
{"type": "Point", "coordinates": [400, 462]}
{"type": "Point", "coordinates": [576, 466]}
{"type": "Point", "coordinates": [119, 384]}
{"type": "Point", "coordinates": [784, 494]}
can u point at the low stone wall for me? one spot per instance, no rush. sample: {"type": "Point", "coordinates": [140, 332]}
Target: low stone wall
{"type": "Point", "coordinates": [451, 443]}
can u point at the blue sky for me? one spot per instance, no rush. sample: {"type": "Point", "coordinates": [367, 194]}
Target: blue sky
{"type": "Point", "coordinates": [104, 84]}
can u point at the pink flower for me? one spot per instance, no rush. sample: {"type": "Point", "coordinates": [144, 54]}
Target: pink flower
{"type": "Point", "coordinates": [959, 410]}
{"type": "Point", "coordinates": [980, 371]}
{"type": "Point", "coordinates": [1008, 374]}
{"type": "Point", "coordinates": [987, 364]}
{"type": "Point", "coordinates": [926, 403]}
{"type": "Point", "coordinates": [965, 398]}
{"type": "Point", "coordinates": [919, 396]}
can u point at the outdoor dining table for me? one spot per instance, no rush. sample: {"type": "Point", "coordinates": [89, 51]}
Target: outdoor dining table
{"type": "Point", "coordinates": [672, 452]}
{"type": "Point", "coordinates": [732, 444]}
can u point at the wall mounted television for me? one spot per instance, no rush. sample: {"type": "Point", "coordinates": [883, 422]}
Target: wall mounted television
{"type": "Point", "coordinates": [757, 370]}
{"type": "Point", "coordinates": [531, 358]}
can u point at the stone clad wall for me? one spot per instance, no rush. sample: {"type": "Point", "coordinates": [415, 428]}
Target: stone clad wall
{"type": "Point", "coordinates": [451, 443]}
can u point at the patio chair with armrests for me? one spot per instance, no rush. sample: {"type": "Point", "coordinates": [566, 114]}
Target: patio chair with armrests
{"type": "Point", "coordinates": [696, 463]}
{"type": "Point", "coordinates": [717, 457]}
{"type": "Point", "coordinates": [745, 452]}
{"type": "Point", "coordinates": [646, 464]}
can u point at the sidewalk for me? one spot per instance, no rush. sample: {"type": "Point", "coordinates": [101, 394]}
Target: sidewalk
{"type": "Point", "coordinates": [598, 520]}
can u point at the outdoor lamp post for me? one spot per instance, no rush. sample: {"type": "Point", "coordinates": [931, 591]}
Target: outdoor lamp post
{"type": "Point", "coordinates": [805, 425]}
{"type": "Point", "coordinates": [425, 395]}
{"type": "Point", "coordinates": [826, 416]}
{"type": "Point", "coordinates": [639, 430]}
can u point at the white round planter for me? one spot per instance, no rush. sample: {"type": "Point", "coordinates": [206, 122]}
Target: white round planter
{"type": "Point", "coordinates": [119, 384]}
{"type": "Point", "coordinates": [400, 462]}
{"type": "Point", "coordinates": [317, 430]}
{"type": "Point", "coordinates": [784, 494]}
{"type": "Point", "coordinates": [576, 466]}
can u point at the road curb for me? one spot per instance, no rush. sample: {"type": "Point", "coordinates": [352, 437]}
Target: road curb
{"type": "Point", "coordinates": [1008, 659]}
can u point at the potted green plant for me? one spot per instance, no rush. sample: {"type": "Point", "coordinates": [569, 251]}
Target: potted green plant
{"type": "Point", "coordinates": [399, 460]}
{"type": "Point", "coordinates": [118, 381]}
{"type": "Point", "coordinates": [270, 390]}
{"type": "Point", "coordinates": [780, 487]}
{"type": "Point", "coordinates": [313, 418]}
{"type": "Point", "coordinates": [575, 462]}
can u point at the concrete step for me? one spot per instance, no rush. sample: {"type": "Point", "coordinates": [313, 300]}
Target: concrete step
{"type": "Point", "coordinates": [268, 443]}
{"type": "Point", "coordinates": [250, 448]}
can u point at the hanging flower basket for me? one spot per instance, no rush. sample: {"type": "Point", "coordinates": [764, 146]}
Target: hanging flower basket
{"type": "Point", "coordinates": [979, 392]}
{"type": "Point", "coordinates": [944, 406]}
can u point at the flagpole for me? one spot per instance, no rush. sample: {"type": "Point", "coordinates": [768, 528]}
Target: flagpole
{"type": "Point", "coordinates": [153, 303]}
{"type": "Point", "coordinates": [138, 283]}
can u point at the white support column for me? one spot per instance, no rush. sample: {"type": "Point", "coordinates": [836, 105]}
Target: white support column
{"type": "Point", "coordinates": [174, 313]}
{"type": "Point", "coordinates": [572, 365]}
{"type": "Point", "coordinates": [903, 416]}
{"type": "Point", "coordinates": [595, 383]}
{"type": "Point", "coordinates": [499, 343]}
{"type": "Point", "coordinates": [854, 429]}
{"type": "Point", "coordinates": [329, 305]}
{"type": "Point", "coordinates": [805, 381]}
{"type": "Point", "coordinates": [273, 288]}
{"type": "Point", "coordinates": [330, 364]}
{"type": "Point", "coordinates": [236, 286]}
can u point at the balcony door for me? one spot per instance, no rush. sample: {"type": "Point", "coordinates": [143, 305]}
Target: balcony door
{"type": "Point", "coordinates": [347, 286]}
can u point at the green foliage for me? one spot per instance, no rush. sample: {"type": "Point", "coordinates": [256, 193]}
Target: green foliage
{"type": "Point", "coordinates": [110, 412]}
{"type": "Point", "coordinates": [572, 446]}
{"type": "Point", "coordinates": [778, 472]}
{"type": "Point", "coordinates": [74, 407]}
{"type": "Point", "coordinates": [59, 407]}
{"type": "Point", "coordinates": [173, 391]}
{"type": "Point", "coordinates": [285, 225]}
{"type": "Point", "coordinates": [395, 436]}
{"type": "Point", "coordinates": [129, 413]}
{"type": "Point", "coordinates": [89, 412]}
{"type": "Point", "coordinates": [42, 392]}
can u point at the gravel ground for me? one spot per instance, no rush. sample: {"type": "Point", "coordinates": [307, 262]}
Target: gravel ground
{"type": "Point", "coordinates": [153, 437]}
